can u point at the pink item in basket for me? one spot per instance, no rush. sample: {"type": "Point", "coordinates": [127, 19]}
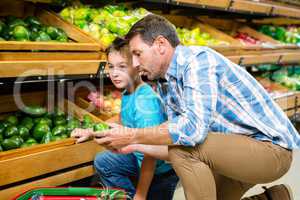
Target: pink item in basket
{"type": "Point", "coordinates": [93, 95]}
{"type": "Point", "coordinates": [99, 102]}
{"type": "Point", "coordinates": [97, 99]}
{"type": "Point", "coordinates": [116, 94]}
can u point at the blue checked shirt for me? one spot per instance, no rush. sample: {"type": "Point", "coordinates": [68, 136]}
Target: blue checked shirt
{"type": "Point", "coordinates": [208, 93]}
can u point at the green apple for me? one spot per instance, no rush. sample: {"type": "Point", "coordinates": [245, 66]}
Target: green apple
{"type": "Point", "coordinates": [107, 39]}
{"type": "Point", "coordinates": [94, 30]}
{"type": "Point", "coordinates": [82, 14]}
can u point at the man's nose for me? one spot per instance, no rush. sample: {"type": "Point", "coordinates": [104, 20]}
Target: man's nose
{"type": "Point", "coordinates": [135, 62]}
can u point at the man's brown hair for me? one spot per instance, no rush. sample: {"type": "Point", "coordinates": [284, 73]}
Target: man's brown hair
{"type": "Point", "coordinates": [152, 26]}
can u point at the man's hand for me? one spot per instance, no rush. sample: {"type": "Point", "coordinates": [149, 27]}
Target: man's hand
{"type": "Point", "coordinates": [82, 134]}
{"type": "Point", "coordinates": [138, 197]}
{"type": "Point", "coordinates": [116, 137]}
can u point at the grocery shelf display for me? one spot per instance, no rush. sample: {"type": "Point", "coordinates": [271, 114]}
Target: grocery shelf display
{"type": "Point", "coordinates": [266, 8]}
{"type": "Point", "coordinates": [38, 29]}
{"type": "Point", "coordinates": [103, 24]}
{"type": "Point", "coordinates": [60, 153]}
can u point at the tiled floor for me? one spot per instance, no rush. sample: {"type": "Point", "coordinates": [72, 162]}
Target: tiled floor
{"type": "Point", "coordinates": [292, 178]}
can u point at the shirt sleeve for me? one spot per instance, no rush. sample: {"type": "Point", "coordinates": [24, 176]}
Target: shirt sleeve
{"type": "Point", "coordinates": [200, 89]}
{"type": "Point", "coordinates": [149, 110]}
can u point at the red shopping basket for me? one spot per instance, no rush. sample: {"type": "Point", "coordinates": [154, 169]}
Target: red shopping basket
{"type": "Point", "coordinates": [72, 193]}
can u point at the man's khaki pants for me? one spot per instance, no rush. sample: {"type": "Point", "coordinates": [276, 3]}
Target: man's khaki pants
{"type": "Point", "coordinates": [224, 167]}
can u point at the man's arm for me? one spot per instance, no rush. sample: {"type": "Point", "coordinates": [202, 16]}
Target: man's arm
{"type": "Point", "coordinates": [159, 152]}
{"type": "Point", "coordinates": [147, 173]}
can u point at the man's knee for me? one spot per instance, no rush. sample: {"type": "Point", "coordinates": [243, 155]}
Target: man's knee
{"type": "Point", "coordinates": [177, 153]}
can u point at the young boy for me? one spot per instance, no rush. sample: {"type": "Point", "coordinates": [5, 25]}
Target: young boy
{"type": "Point", "coordinates": [140, 108]}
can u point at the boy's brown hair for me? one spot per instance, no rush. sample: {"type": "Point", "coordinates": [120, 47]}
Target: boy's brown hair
{"type": "Point", "coordinates": [119, 45]}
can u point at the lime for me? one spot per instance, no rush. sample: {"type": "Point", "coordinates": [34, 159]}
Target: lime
{"type": "Point", "coordinates": [20, 33]}
{"type": "Point", "coordinates": [52, 32]}
{"type": "Point", "coordinates": [43, 36]}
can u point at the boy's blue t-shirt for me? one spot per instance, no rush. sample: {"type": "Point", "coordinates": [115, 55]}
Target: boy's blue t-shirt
{"type": "Point", "coordinates": [140, 109]}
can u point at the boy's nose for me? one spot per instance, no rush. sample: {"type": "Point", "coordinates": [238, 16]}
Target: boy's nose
{"type": "Point", "coordinates": [113, 73]}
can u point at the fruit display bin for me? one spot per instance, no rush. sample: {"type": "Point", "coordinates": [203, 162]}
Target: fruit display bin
{"type": "Point", "coordinates": [81, 56]}
{"type": "Point", "coordinates": [73, 193]}
{"type": "Point", "coordinates": [82, 101]}
{"type": "Point", "coordinates": [286, 99]}
{"type": "Point", "coordinates": [25, 64]}
{"type": "Point", "coordinates": [52, 164]}
{"type": "Point", "coordinates": [254, 40]}
{"type": "Point", "coordinates": [189, 23]}
{"type": "Point", "coordinates": [78, 41]}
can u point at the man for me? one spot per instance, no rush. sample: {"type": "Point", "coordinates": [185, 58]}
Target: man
{"type": "Point", "coordinates": [225, 133]}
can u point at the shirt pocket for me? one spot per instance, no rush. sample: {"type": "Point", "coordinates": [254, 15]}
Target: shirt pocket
{"type": "Point", "coordinates": [175, 98]}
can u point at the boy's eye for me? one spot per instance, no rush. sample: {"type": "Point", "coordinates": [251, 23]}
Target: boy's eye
{"type": "Point", "coordinates": [110, 66]}
{"type": "Point", "coordinates": [123, 66]}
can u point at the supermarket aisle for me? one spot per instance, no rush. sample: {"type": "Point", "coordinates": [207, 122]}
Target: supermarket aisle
{"type": "Point", "coordinates": [292, 178]}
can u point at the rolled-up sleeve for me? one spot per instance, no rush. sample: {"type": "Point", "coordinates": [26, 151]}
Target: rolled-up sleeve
{"type": "Point", "coordinates": [191, 126]}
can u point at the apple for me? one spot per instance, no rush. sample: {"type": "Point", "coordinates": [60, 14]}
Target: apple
{"type": "Point", "coordinates": [107, 105]}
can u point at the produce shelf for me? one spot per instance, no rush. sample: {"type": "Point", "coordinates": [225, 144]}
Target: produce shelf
{"type": "Point", "coordinates": [241, 6]}
{"type": "Point", "coordinates": [48, 68]}
{"type": "Point", "coordinates": [242, 31]}
{"type": "Point", "coordinates": [285, 98]}
{"type": "Point", "coordinates": [54, 164]}
{"type": "Point", "coordinates": [261, 57]}
{"type": "Point", "coordinates": [80, 41]}
{"type": "Point", "coordinates": [192, 23]}
{"type": "Point", "coordinates": [54, 180]}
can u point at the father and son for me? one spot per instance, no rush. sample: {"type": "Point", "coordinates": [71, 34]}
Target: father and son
{"type": "Point", "coordinates": [210, 124]}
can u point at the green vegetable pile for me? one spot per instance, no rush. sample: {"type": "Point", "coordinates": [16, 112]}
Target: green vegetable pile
{"type": "Point", "coordinates": [29, 29]}
{"type": "Point", "coordinates": [36, 126]}
{"type": "Point", "coordinates": [288, 76]}
{"type": "Point", "coordinates": [290, 35]}
{"type": "Point", "coordinates": [106, 23]}
{"type": "Point", "coordinates": [196, 37]}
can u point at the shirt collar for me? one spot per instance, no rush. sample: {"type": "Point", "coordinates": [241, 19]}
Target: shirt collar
{"type": "Point", "coordinates": [172, 70]}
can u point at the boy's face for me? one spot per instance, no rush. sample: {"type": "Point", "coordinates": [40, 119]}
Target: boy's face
{"type": "Point", "coordinates": [121, 71]}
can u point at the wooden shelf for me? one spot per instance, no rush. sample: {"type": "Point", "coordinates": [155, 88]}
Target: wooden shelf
{"type": "Point", "coordinates": [266, 8]}
{"type": "Point", "coordinates": [51, 164]}
{"type": "Point", "coordinates": [54, 180]}
{"type": "Point", "coordinates": [261, 57]}
{"type": "Point", "coordinates": [79, 42]}
{"type": "Point", "coordinates": [286, 99]}
{"type": "Point", "coordinates": [9, 69]}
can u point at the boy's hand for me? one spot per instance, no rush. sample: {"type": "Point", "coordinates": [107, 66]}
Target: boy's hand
{"type": "Point", "coordinates": [82, 134]}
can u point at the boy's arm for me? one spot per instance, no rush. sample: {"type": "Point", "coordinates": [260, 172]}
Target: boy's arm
{"type": "Point", "coordinates": [146, 175]}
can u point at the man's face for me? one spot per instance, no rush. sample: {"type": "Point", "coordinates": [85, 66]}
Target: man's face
{"type": "Point", "coordinates": [146, 58]}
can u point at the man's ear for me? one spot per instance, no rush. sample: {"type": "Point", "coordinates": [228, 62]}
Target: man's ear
{"type": "Point", "coordinates": [161, 43]}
